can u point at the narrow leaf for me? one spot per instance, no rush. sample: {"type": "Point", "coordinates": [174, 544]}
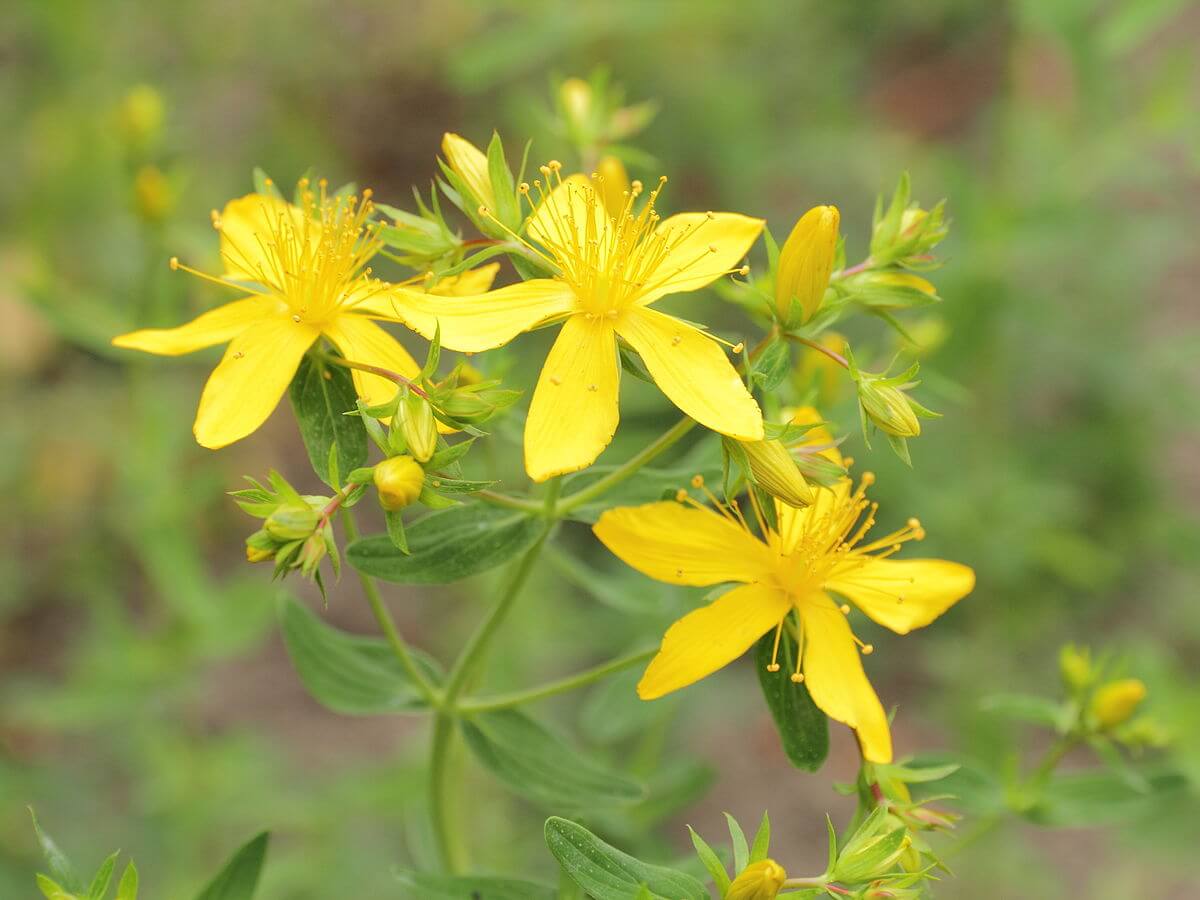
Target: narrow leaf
{"type": "Point", "coordinates": [239, 879]}
{"type": "Point", "coordinates": [103, 878]}
{"type": "Point", "coordinates": [762, 840]}
{"type": "Point", "coordinates": [60, 867]}
{"type": "Point", "coordinates": [449, 887]}
{"type": "Point", "coordinates": [802, 727]}
{"type": "Point", "coordinates": [711, 861]}
{"type": "Point", "coordinates": [127, 889]}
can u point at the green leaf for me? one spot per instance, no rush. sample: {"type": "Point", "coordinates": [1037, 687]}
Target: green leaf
{"type": "Point", "coordinates": [60, 867]}
{"type": "Point", "coordinates": [349, 673]}
{"type": "Point", "coordinates": [773, 365]}
{"type": "Point", "coordinates": [321, 395]}
{"type": "Point", "coordinates": [711, 861]}
{"type": "Point", "coordinates": [762, 840]}
{"type": "Point", "coordinates": [539, 765]}
{"type": "Point", "coordinates": [51, 889]}
{"type": "Point", "coordinates": [606, 873]}
{"type": "Point", "coordinates": [1023, 708]}
{"type": "Point", "coordinates": [1101, 797]}
{"type": "Point", "coordinates": [507, 208]}
{"type": "Point", "coordinates": [448, 545]}
{"type": "Point", "coordinates": [127, 889]}
{"type": "Point", "coordinates": [449, 887]}
{"type": "Point", "coordinates": [802, 727]}
{"type": "Point", "coordinates": [103, 878]}
{"type": "Point", "coordinates": [395, 530]}
{"type": "Point", "coordinates": [239, 879]}
{"type": "Point", "coordinates": [741, 852]}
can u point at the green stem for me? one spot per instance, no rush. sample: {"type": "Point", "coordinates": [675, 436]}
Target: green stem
{"type": "Point", "coordinates": [627, 469]}
{"type": "Point", "coordinates": [570, 683]}
{"type": "Point", "coordinates": [388, 625]}
{"type": "Point", "coordinates": [445, 829]}
{"type": "Point", "coordinates": [497, 499]}
{"type": "Point", "coordinates": [832, 354]}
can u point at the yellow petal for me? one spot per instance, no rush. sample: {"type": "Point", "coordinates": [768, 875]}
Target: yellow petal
{"type": "Point", "coordinates": [247, 384]}
{"type": "Point", "coordinates": [795, 523]}
{"type": "Point", "coordinates": [213, 327]}
{"type": "Point", "coordinates": [702, 248]}
{"type": "Point", "coordinates": [471, 165]}
{"type": "Point", "coordinates": [249, 227]}
{"type": "Point", "coordinates": [361, 340]}
{"type": "Point", "coordinates": [693, 371]}
{"type": "Point", "coordinates": [806, 261]}
{"type": "Point", "coordinates": [683, 545]}
{"type": "Point", "coordinates": [473, 281]}
{"type": "Point", "coordinates": [572, 216]}
{"type": "Point", "coordinates": [902, 594]}
{"type": "Point", "coordinates": [712, 637]}
{"type": "Point", "coordinates": [834, 676]}
{"type": "Point", "coordinates": [574, 413]}
{"type": "Point", "coordinates": [480, 322]}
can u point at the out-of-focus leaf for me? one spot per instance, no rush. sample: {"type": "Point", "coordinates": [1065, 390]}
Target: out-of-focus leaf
{"type": "Point", "coordinates": [606, 873]}
{"type": "Point", "coordinates": [348, 673]}
{"type": "Point", "coordinates": [321, 395]}
{"type": "Point", "coordinates": [239, 879]}
{"type": "Point", "coordinates": [60, 866]}
{"type": "Point", "coordinates": [1023, 708]}
{"type": "Point", "coordinates": [803, 729]}
{"type": "Point", "coordinates": [449, 887]}
{"type": "Point", "coordinates": [1100, 797]}
{"type": "Point", "coordinates": [645, 486]}
{"type": "Point", "coordinates": [539, 765]}
{"type": "Point", "coordinates": [448, 545]}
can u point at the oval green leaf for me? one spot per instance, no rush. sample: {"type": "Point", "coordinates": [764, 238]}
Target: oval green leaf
{"type": "Point", "coordinates": [803, 729]}
{"type": "Point", "coordinates": [539, 765]}
{"type": "Point", "coordinates": [448, 545]}
{"type": "Point", "coordinates": [348, 673]}
{"type": "Point", "coordinates": [321, 395]}
{"type": "Point", "coordinates": [606, 873]}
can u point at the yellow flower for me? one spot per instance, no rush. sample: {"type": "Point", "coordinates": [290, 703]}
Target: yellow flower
{"type": "Point", "coordinates": [758, 881]}
{"type": "Point", "coordinates": [307, 266]}
{"type": "Point", "coordinates": [398, 480]}
{"type": "Point", "coordinates": [473, 281]}
{"type": "Point", "coordinates": [1116, 701]}
{"type": "Point", "coordinates": [609, 272]}
{"type": "Point", "coordinates": [470, 164]}
{"type": "Point", "coordinates": [806, 262]}
{"type": "Point", "coordinates": [815, 550]}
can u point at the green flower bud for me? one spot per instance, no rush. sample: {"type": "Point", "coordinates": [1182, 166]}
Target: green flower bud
{"type": "Point", "coordinates": [399, 481]}
{"type": "Point", "coordinates": [758, 881]}
{"type": "Point", "coordinates": [776, 472]}
{"type": "Point", "coordinates": [1116, 701]}
{"type": "Point", "coordinates": [576, 98]}
{"type": "Point", "coordinates": [805, 263]}
{"type": "Point", "coordinates": [260, 547]}
{"type": "Point", "coordinates": [140, 117]}
{"type": "Point", "coordinates": [873, 851]}
{"type": "Point", "coordinates": [152, 194]}
{"type": "Point", "coordinates": [311, 553]}
{"type": "Point", "coordinates": [889, 408]}
{"type": "Point", "coordinates": [414, 416]}
{"type": "Point", "coordinates": [292, 522]}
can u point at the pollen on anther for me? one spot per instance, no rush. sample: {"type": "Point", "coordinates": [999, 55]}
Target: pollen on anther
{"type": "Point", "coordinates": [174, 263]}
{"type": "Point", "coordinates": [296, 318]}
{"type": "Point", "coordinates": [797, 677]}
{"type": "Point", "coordinates": [739, 347]}
{"type": "Point", "coordinates": [845, 608]}
{"type": "Point", "coordinates": [868, 649]}
{"type": "Point", "coordinates": [483, 210]}
{"type": "Point", "coordinates": [697, 481]}
{"type": "Point", "coordinates": [681, 495]}
{"type": "Point", "coordinates": [744, 270]}
{"type": "Point", "coordinates": [772, 667]}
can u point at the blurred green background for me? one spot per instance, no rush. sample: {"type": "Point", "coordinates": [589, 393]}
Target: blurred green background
{"type": "Point", "coordinates": [146, 701]}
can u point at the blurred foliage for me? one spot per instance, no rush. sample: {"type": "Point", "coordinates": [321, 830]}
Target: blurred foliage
{"type": "Point", "coordinates": [146, 701]}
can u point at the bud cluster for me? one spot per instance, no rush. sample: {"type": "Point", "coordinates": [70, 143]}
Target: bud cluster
{"type": "Point", "coordinates": [592, 114]}
{"type": "Point", "coordinates": [884, 402]}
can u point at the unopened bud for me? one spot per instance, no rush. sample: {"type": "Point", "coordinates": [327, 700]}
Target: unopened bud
{"type": "Point", "coordinates": [470, 164]}
{"type": "Point", "coordinates": [888, 407]}
{"type": "Point", "coordinates": [1075, 665]}
{"type": "Point", "coordinates": [1116, 701]}
{"type": "Point", "coordinates": [140, 117]}
{"type": "Point", "coordinates": [758, 881]}
{"type": "Point", "coordinates": [292, 523]}
{"type": "Point", "coordinates": [260, 547]}
{"type": "Point", "coordinates": [311, 553]}
{"type": "Point", "coordinates": [806, 261]}
{"type": "Point", "coordinates": [873, 851]}
{"type": "Point", "coordinates": [399, 481]}
{"type": "Point", "coordinates": [414, 416]}
{"type": "Point", "coordinates": [776, 472]}
{"type": "Point", "coordinates": [612, 184]}
{"type": "Point", "coordinates": [152, 194]}
{"type": "Point", "coordinates": [576, 97]}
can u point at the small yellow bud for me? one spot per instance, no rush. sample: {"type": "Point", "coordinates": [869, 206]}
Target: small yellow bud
{"type": "Point", "coordinates": [398, 481]}
{"type": "Point", "coordinates": [758, 881]}
{"type": "Point", "coordinates": [612, 184]}
{"type": "Point", "coordinates": [258, 554]}
{"type": "Point", "coordinates": [140, 116]}
{"type": "Point", "coordinates": [1075, 664]}
{"type": "Point", "coordinates": [152, 194]}
{"type": "Point", "coordinates": [576, 97]}
{"type": "Point", "coordinates": [806, 261]}
{"type": "Point", "coordinates": [903, 280]}
{"type": "Point", "coordinates": [777, 473]}
{"type": "Point", "coordinates": [414, 417]}
{"type": "Point", "coordinates": [470, 164]}
{"type": "Point", "coordinates": [889, 409]}
{"type": "Point", "coordinates": [1116, 701]}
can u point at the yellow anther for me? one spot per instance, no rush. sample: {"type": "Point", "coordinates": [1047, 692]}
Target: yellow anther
{"type": "Point", "coordinates": [681, 495]}
{"type": "Point", "coordinates": [744, 270]}
{"type": "Point", "coordinates": [797, 677]}
{"type": "Point", "coordinates": [174, 263]}
{"type": "Point", "coordinates": [772, 667]}
{"type": "Point", "coordinates": [914, 523]}
{"type": "Point", "coordinates": [523, 187]}
{"type": "Point", "coordinates": [845, 608]}
{"type": "Point", "coordinates": [697, 481]}
{"type": "Point", "coordinates": [483, 211]}
{"type": "Point", "coordinates": [296, 317]}
{"type": "Point", "coordinates": [739, 347]}
{"type": "Point", "coordinates": [554, 165]}
{"type": "Point", "coordinates": [867, 478]}
{"type": "Point", "coordinates": [868, 649]}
